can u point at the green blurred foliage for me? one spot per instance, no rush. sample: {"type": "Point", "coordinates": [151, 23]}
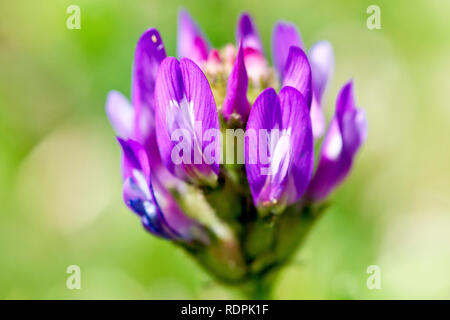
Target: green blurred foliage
{"type": "Point", "coordinates": [60, 189]}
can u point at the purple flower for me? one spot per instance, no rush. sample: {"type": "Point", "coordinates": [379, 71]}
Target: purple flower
{"type": "Point", "coordinates": [185, 112]}
{"type": "Point", "coordinates": [283, 179]}
{"type": "Point", "coordinates": [347, 132]}
{"type": "Point", "coordinates": [135, 125]}
{"type": "Point", "coordinates": [171, 131]}
{"type": "Point", "coordinates": [138, 192]}
{"type": "Point", "coordinates": [139, 196]}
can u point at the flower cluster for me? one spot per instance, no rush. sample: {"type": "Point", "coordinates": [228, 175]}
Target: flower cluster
{"type": "Point", "coordinates": [238, 218]}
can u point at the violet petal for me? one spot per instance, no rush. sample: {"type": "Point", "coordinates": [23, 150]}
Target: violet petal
{"type": "Point", "coordinates": [298, 73]}
{"type": "Point", "coordinates": [283, 177]}
{"type": "Point", "coordinates": [191, 43]}
{"type": "Point", "coordinates": [186, 111]}
{"type": "Point", "coordinates": [236, 98]}
{"type": "Point", "coordinates": [138, 192]}
{"type": "Point", "coordinates": [346, 133]}
{"type": "Point", "coordinates": [120, 114]}
{"type": "Point", "coordinates": [284, 36]}
{"type": "Point", "coordinates": [147, 57]}
{"type": "Point", "coordinates": [247, 33]}
{"type": "Point", "coordinates": [321, 58]}
{"type": "Point", "coordinates": [159, 212]}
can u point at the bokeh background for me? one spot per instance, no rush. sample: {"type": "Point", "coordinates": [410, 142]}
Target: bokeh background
{"type": "Point", "coordinates": [60, 188]}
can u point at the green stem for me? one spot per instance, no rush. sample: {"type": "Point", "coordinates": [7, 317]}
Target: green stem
{"type": "Point", "coordinates": [258, 288]}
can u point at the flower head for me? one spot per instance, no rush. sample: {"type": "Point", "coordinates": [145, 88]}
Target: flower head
{"type": "Point", "coordinates": [188, 183]}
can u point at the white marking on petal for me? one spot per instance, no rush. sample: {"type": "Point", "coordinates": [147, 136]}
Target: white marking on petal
{"type": "Point", "coordinates": [150, 208]}
{"type": "Point", "coordinates": [141, 182]}
{"type": "Point", "coordinates": [181, 114]}
{"type": "Point", "coordinates": [280, 159]}
{"type": "Point", "coordinates": [333, 146]}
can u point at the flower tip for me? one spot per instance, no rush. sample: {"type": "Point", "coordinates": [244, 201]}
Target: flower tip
{"type": "Point", "coordinates": [297, 73]}
{"type": "Point", "coordinates": [348, 86]}
{"type": "Point", "coordinates": [152, 34]}
{"type": "Point", "coordinates": [245, 17]}
{"type": "Point", "coordinates": [345, 99]}
{"type": "Point", "coordinates": [150, 44]}
{"type": "Point", "coordinates": [121, 141]}
{"type": "Point", "coordinates": [281, 23]}
{"type": "Point", "coordinates": [183, 13]}
{"type": "Point", "coordinates": [236, 105]}
{"type": "Point", "coordinates": [191, 42]}
{"type": "Point", "coordinates": [286, 27]}
{"type": "Point", "coordinates": [247, 32]}
{"type": "Point", "coordinates": [295, 50]}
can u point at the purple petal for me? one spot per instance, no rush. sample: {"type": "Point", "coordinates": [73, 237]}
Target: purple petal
{"type": "Point", "coordinates": [298, 73]}
{"type": "Point", "coordinates": [134, 158]}
{"type": "Point", "coordinates": [120, 114]}
{"type": "Point", "coordinates": [284, 36]}
{"type": "Point", "coordinates": [321, 58]}
{"type": "Point", "coordinates": [236, 98]}
{"type": "Point", "coordinates": [147, 57]}
{"type": "Point", "coordinates": [191, 42]}
{"type": "Point", "coordinates": [296, 117]}
{"type": "Point", "coordinates": [282, 177]}
{"type": "Point", "coordinates": [166, 220]}
{"type": "Point", "coordinates": [352, 121]}
{"type": "Point", "coordinates": [138, 196]}
{"type": "Point", "coordinates": [138, 192]}
{"type": "Point", "coordinates": [264, 115]}
{"type": "Point", "coordinates": [346, 134]}
{"type": "Point", "coordinates": [186, 112]}
{"type": "Point", "coordinates": [247, 34]}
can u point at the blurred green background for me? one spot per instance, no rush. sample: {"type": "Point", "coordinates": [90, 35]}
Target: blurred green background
{"type": "Point", "coordinates": [60, 188]}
